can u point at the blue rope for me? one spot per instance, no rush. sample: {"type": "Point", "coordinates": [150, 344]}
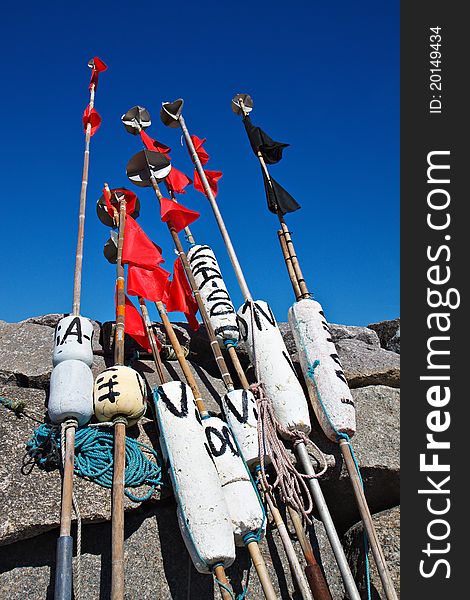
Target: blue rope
{"type": "Point", "coordinates": [94, 458]}
{"type": "Point", "coordinates": [339, 436]}
{"type": "Point", "coordinates": [230, 343]}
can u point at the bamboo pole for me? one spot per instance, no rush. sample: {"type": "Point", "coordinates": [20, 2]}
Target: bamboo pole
{"type": "Point", "coordinates": [301, 291]}
{"type": "Point", "coordinates": [117, 510]}
{"type": "Point", "coordinates": [301, 449]}
{"type": "Point", "coordinates": [77, 281]}
{"type": "Point", "coordinates": [152, 340]}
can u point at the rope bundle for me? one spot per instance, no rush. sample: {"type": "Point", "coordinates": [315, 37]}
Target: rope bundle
{"type": "Point", "coordinates": [94, 458]}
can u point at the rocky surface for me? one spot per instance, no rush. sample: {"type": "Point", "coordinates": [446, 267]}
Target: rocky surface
{"type": "Point", "coordinates": [155, 554]}
{"type": "Point", "coordinates": [388, 333]}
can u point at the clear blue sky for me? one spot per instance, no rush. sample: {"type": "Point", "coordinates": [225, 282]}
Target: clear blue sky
{"type": "Point", "coordinates": [324, 77]}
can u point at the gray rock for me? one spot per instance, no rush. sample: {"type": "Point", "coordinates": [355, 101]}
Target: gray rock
{"type": "Point", "coordinates": [389, 334]}
{"type": "Point", "coordinates": [50, 320]}
{"type": "Point", "coordinates": [377, 448]}
{"type": "Point", "coordinates": [29, 496]}
{"type": "Point", "coordinates": [364, 364]}
{"type": "Point", "coordinates": [387, 525]}
{"type": "Point", "coordinates": [26, 357]}
{"type": "Point", "coordinates": [157, 563]}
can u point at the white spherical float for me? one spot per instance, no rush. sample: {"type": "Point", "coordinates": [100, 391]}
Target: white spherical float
{"type": "Point", "coordinates": [119, 392]}
{"type": "Point", "coordinates": [203, 514]}
{"type": "Point", "coordinates": [332, 399]}
{"type": "Point", "coordinates": [269, 356]}
{"type": "Point", "coordinates": [73, 340]}
{"type": "Point", "coordinates": [214, 294]}
{"type": "Point", "coordinates": [71, 392]}
{"type": "Point", "coordinates": [243, 503]}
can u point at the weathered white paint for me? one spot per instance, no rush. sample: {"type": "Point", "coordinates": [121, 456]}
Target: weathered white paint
{"type": "Point", "coordinates": [214, 292]}
{"type": "Point", "coordinates": [336, 411]}
{"type": "Point", "coordinates": [239, 407]}
{"type": "Point", "coordinates": [71, 392]}
{"type": "Point", "coordinates": [119, 392]}
{"type": "Point", "coordinates": [242, 500]}
{"type": "Point", "coordinates": [269, 355]}
{"type": "Point", "coordinates": [73, 340]}
{"type": "Point", "coordinates": [203, 514]}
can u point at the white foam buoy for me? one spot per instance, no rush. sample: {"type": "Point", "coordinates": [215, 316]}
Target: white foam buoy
{"type": "Point", "coordinates": [239, 408]}
{"type": "Point", "coordinates": [266, 348]}
{"type": "Point", "coordinates": [202, 509]}
{"type": "Point", "coordinates": [73, 340]}
{"type": "Point", "coordinates": [213, 292]}
{"type": "Point", "coordinates": [119, 392]}
{"type": "Point", "coordinates": [242, 500]}
{"type": "Point", "coordinates": [333, 402]}
{"type": "Point", "coordinates": [71, 392]}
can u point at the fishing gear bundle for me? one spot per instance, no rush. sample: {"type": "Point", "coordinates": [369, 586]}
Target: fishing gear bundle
{"type": "Point", "coordinates": [218, 467]}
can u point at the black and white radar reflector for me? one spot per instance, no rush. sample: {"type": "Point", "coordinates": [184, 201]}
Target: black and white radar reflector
{"type": "Point", "coordinates": [132, 206]}
{"type": "Point", "coordinates": [135, 118]}
{"type": "Point", "coordinates": [170, 112]}
{"type": "Point", "coordinates": [247, 103]}
{"type": "Point", "coordinates": [145, 164]}
{"type": "Point", "coordinates": [110, 248]}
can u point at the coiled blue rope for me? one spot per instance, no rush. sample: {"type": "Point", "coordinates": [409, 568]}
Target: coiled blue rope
{"type": "Point", "coordinates": [94, 458]}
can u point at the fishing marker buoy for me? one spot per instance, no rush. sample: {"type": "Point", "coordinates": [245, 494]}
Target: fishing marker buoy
{"type": "Point", "coordinates": [119, 392]}
{"type": "Point", "coordinates": [71, 392]}
{"type": "Point", "coordinates": [239, 408]}
{"type": "Point", "coordinates": [242, 500]}
{"type": "Point", "coordinates": [73, 339]}
{"type": "Point", "coordinates": [136, 118]}
{"type": "Point", "coordinates": [269, 355]}
{"type": "Point", "coordinates": [213, 292]}
{"type": "Point", "coordinates": [203, 515]}
{"type": "Point", "coordinates": [146, 164]}
{"type": "Point", "coordinates": [332, 399]}
{"type": "Point", "coordinates": [170, 112]}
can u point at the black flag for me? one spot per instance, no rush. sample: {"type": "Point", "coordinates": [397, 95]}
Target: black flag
{"type": "Point", "coordinates": [278, 199]}
{"type": "Point", "coordinates": [259, 140]}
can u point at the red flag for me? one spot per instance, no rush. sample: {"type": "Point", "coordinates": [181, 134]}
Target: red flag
{"type": "Point", "coordinates": [198, 146]}
{"type": "Point", "coordinates": [212, 178]}
{"type": "Point", "coordinates": [138, 249]}
{"type": "Point", "coordinates": [151, 285]}
{"type": "Point", "coordinates": [91, 116]}
{"type": "Point", "coordinates": [135, 327]}
{"type": "Point", "coordinates": [179, 296]}
{"type": "Point", "coordinates": [112, 205]}
{"type": "Point", "coordinates": [177, 181]}
{"type": "Point", "coordinates": [152, 144]}
{"type": "Point", "coordinates": [98, 66]}
{"type": "Point", "coordinates": [176, 214]}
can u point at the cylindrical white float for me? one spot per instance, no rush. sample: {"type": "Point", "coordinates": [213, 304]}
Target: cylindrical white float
{"type": "Point", "coordinates": [73, 340]}
{"type": "Point", "coordinates": [242, 500]}
{"type": "Point", "coordinates": [214, 292]}
{"type": "Point", "coordinates": [333, 401]}
{"type": "Point", "coordinates": [202, 509]}
{"type": "Point", "coordinates": [119, 392]}
{"type": "Point", "coordinates": [267, 351]}
{"type": "Point", "coordinates": [71, 392]}
{"type": "Point", "coordinates": [239, 407]}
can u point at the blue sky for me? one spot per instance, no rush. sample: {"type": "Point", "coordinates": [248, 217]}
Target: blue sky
{"type": "Point", "coordinates": [324, 78]}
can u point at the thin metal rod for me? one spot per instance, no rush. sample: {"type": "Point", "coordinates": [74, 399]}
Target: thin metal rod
{"type": "Point", "coordinates": [152, 341]}
{"type": "Point", "coordinates": [218, 217]}
{"type": "Point", "coordinates": [316, 579]}
{"type": "Point", "coordinates": [117, 512]}
{"type": "Point", "coordinates": [366, 517]}
{"type": "Point", "coordinates": [325, 516]}
{"type": "Point", "coordinates": [77, 278]}
{"type": "Point", "coordinates": [289, 548]}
